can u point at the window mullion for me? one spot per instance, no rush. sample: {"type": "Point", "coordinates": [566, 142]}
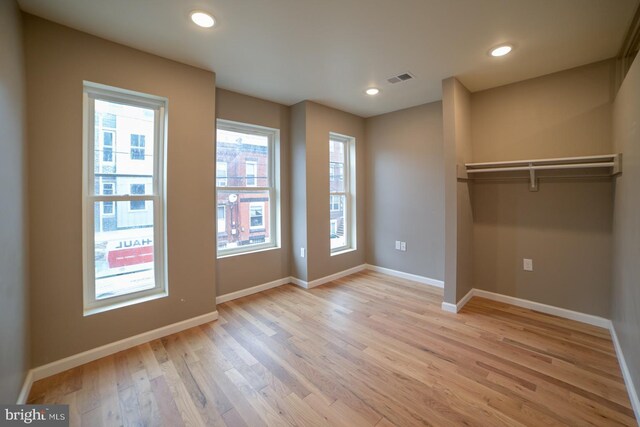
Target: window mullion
{"type": "Point", "coordinates": [243, 189]}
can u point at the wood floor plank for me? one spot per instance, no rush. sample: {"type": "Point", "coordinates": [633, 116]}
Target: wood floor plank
{"type": "Point", "coordinates": [363, 350]}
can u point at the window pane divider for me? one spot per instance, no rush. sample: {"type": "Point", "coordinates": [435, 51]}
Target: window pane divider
{"type": "Point", "coordinates": [244, 189]}
{"type": "Point", "coordinates": [122, 197]}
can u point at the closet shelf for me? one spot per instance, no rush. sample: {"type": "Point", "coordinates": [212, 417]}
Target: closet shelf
{"type": "Point", "coordinates": [612, 162]}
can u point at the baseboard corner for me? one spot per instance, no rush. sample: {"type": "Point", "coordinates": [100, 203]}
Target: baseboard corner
{"type": "Point", "coordinates": [26, 388]}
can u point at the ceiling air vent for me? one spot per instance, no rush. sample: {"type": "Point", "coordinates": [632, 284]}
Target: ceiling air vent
{"type": "Point", "coordinates": [400, 78]}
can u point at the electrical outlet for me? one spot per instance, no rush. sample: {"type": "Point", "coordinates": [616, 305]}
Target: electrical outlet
{"type": "Point", "coordinates": [403, 246]}
{"type": "Point", "coordinates": [527, 264]}
{"type": "Point", "coordinates": [397, 245]}
{"type": "Point", "coordinates": [302, 252]}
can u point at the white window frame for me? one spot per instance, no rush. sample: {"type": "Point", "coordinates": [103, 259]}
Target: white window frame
{"type": "Point", "coordinates": [254, 164]}
{"type": "Point", "coordinates": [91, 93]}
{"type": "Point", "coordinates": [349, 171]}
{"type": "Point", "coordinates": [222, 181]}
{"type": "Point", "coordinates": [272, 187]}
{"type": "Point", "coordinates": [223, 220]}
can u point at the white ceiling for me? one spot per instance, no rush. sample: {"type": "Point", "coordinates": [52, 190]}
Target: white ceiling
{"type": "Point", "coordinates": [330, 51]}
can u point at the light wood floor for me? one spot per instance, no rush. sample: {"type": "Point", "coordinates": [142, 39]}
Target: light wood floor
{"type": "Point", "coordinates": [367, 350]}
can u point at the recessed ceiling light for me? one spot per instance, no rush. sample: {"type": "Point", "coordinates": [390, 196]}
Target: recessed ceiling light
{"type": "Point", "coordinates": [202, 19]}
{"type": "Point", "coordinates": [372, 91]}
{"type": "Point", "coordinates": [501, 50]}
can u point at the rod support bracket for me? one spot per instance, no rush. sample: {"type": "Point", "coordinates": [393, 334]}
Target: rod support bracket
{"type": "Point", "coordinates": [533, 180]}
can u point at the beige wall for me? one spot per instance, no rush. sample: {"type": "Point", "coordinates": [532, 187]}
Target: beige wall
{"type": "Point", "coordinates": [311, 125]}
{"type": "Point", "coordinates": [559, 115]}
{"type": "Point", "coordinates": [405, 190]}
{"type": "Point", "coordinates": [298, 178]}
{"type": "Point", "coordinates": [58, 59]}
{"type": "Point", "coordinates": [458, 213]}
{"type": "Point", "coordinates": [321, 121]}
{"type": "Point", "coordinates": [566, 226]}
{"type": "Point", "coordinates": [625, 308]}
{"type": "Point", "coordinates": [14, 303]}
{"type": "Point", "coordinates": [266, 266]}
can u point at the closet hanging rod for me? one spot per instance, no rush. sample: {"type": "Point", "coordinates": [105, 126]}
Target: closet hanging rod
{"type": "Point", "coordinates": [612, 161]}
{"type": "Point", "coordinates": [545, 167]}
{"type": "Point", "coordinates": [559, 160]}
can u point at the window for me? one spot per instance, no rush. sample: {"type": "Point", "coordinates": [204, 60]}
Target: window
{"type": "Point", "coordinates": [256, 214]}
{"type": "Point", "coordinates": [249, 191]}
{"type": "Point", "coordinates": [107, 146]}
{"type": "Point", "coordinates": [251, 168]}
{"type": "Point", "coordinates": [221, 174]}
{"type": "Point", "coordinates": [124, 260]}
{"type": "Point", "coordinates": [335, 203]}
{"type": "Point", "coordinates": [137, 147]}
{"type": "Point", "coordinates": [341, 192]}
{"type": "Point", "coordinates": [222, 219]}
{"type": "Point", "coordinates": [137, 205]}
{"type": "Point", "coordinates": [107, 190]}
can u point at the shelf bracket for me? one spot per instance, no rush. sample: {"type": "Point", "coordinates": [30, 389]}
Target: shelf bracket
{"type": "Point", "coordinates": [533, 181]}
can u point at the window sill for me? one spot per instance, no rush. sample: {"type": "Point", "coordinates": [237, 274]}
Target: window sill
{"type": "Point", "coordinates": [249, 252]}
{"type": "Point", "coordinates": [343, 251]}
{"type": "Point", "coordinates": [102, 309]}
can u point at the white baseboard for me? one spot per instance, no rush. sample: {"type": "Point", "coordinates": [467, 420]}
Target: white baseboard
{"type": "Point", "coordinates": [298, 282]}
{"type": "Point", "coordinates": [626, 374]}
{"type": "Point", "coordinates": [114, 347]}
{"type": "Point", "coordinates": [454, 308]}
{"type": "Point", "coordinates": [26, 388]}
{"type": "Point", "coordinates": [544, 308]}
{"type": "Point", "coordinates": [252, 290]}
{"type": "Point", "coordinates": [327, 279]}
{"type": "Point", "coordinates": [451, 308]}
{"type": "Point", "coordinates": [408, 276]}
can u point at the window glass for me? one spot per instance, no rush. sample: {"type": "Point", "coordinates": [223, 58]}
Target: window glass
{"type": "Point", "coordinates": [137, 147]}
{"type": "Point", "coordinates": [124, 203]}
{"type": "Point", "coordinates": [221, 174]}
{"type": "Point", "coordinates": [341, 194]}
{"type": "Point", "coordinates": [246, 156]}
{"type": "Point", "coordinates": [246, 192]}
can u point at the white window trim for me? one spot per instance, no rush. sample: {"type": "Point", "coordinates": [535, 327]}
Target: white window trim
{"type": "Point", "coordinates": [349, 208]}
{"type": "Point", "coordinates": [91, 92]}
{"type": "Point", "coordinates": [273, 188]}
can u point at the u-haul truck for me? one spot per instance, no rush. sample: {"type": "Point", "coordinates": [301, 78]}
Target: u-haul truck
{"type": "Point", "coordinates": [124, 261]}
